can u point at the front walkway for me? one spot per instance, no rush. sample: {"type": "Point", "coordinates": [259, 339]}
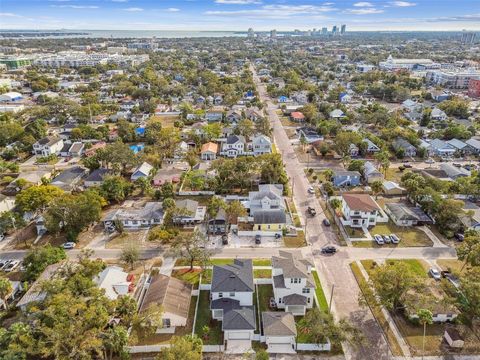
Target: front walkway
{"type": "Point", "coordinates": [239, 346]}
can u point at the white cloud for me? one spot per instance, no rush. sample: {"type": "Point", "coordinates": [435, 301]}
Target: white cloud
{"type": "Point", "coordinates": [172, 9]}
{"type": "Point", "coordinates": [133, 9]}
{"type": "Point", "coordinates": [10, 15]}
{"type": "Point", "coordinates": [120, 1]}
{"type": "Point", "coordinates": [76, 6]}
{"type": "Point", "coordinates": [238, 2]}
{"type": "Point", "coordinates": [402, 3]}
{"type": "Point", "coordinates": [275, 11]}
{"type": "Point", "coordinates": [363, 4]}
{"type": "Point", "coordinates": [363, 11]}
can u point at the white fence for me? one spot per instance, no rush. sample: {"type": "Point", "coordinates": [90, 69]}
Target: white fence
{"type": "Point", "coordinates": [146, 348]}
{"type": "Point", "coordinates": [314, 347]}
{"type": "Point", "coordinates": [205, 287]}
{"type": "Point", "coordinates": [259, 232]}
{"type": "Point", "coordinates": [213, 348]}
{"type": "Point", "coordinates": [263, 281]}
{"type": "Point", "coordinates": [195, 193]}
{"type": "Point", "coordinates": [195, 292]}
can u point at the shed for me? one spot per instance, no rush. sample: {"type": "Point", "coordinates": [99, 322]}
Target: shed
{"type": "Point", "coordinates": [453, 338]}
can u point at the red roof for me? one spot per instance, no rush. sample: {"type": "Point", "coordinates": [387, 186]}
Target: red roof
{"type": "Point", "coordinates": [298, 115]}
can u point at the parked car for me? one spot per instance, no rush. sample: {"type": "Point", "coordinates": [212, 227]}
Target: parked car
{"type": "Point", "coordinates": [329, 250]}
{"type": "Point", "coordinates": [378, 239]}
{"type": "Point", "coordinates": [311, 190]}
{"type": "Point", "coordinates": [459, 236]}
{"type": "Point", "coordinates": [395, 239]}
{"type": "Point", "coordinates": [258, 239]}
{"type": "Point", "coordinates": [452, 278]}
{"type": "Point", "coordinates": [68, 245]}
{"type": "Point", "coordinates": [12, 265]}
{"type": "Point", "coordinates": [278, 235]}
{"type": "Point", "coordinates": [2, 236]}
{"type": "Point", "coordinates": [326, 222]}
{"type": "Point", "coordinates": [407, 166]}
{"type": "Point", "coordinates": [387, 239]}
{"type": "Point", "coordinates": [430, 161]}
{"type": "Point", "coordinates": [4, 263]}
{"type": "Point", "coordinates": [271, 303]}
{"type": "Point", "coordinates": [224, 239]}
{"type": "Point", "coordinates": [434, 273]}
{"type": "Point", "coordinates": [311, 211]}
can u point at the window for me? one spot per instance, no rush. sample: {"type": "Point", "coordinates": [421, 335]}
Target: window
{"type": "Point", "coordinates": [220, 295]}
{"type": "Point", "coordinates": [231, 294]}
{"type": "Point", "coordinates": [291, 280]}
{"type": "Point", "coordinates": [279, 300]}
{"type": "Point", "coordinates": [296, 281]}
{"type": "Point", "coordinates": [306, 291]}
{"type": "Point", "coordinates": [308, 300]}
{"type": "Point", "coordinates": [166, 323]}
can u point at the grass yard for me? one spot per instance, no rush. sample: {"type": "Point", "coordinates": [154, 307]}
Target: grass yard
{"type": "Point", "coordinates": [393, 174]}
{"type": "Point", "coordinates": [322, 301]}
{"type": "Point", "coordinates": [453, 265]}
{"type": "Point", "coordinates": [409, 236]}
{"type": "Point", "coordinates": [265, 292]}
{"type": "Point", "coordinates": [166, 121]}
{"type": "Point", "coordinates": [207, 276]}
{"type": "Point", "coordinates": [295, 241]}
{"type": "Point", "coordinates": [354, 232]}
{"type": "Point", "coordinates": [377, 313]}
{"type": "Point", "coordinates": [191, 277]}
{"type": "Point", "coordinates": [204, 318]}
{"type": "Point", "coordinates": [287, 122]}
{"type": "Point", "coordinates": [262, 273]}
{"type": "Point", "coordinates": [419, 267]}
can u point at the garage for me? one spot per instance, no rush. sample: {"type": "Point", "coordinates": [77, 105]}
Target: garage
{"type": "Point", "coordinates": [237, 335]}
{"type": "Point", "coordinates": [281, 349]}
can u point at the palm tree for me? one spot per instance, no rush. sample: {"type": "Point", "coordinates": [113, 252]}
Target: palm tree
{"type": "Point", "coordinates": [5, 290]}
{"type": "Point", "coordinates": [424, 317]}
{"type": "Point", "coordinates": [303, 142]}
{"type": "Point", "coordinates": [376, 188]}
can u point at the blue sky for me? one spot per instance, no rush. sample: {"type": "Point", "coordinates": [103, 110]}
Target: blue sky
{"type": "Point", "coordinates": [239, 14]}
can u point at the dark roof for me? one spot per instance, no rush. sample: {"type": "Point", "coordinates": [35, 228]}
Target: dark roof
{"type": "Point", "coordinates": [232, 139]}
{"type": "Point", "coordinates": [279, 281]}
{"type": "Point", "coordinates": [97, 175]}
{"type": "Point", "coordinates": [241, 319]}
{"type": "Point", "coordinates": [226, 304]}
{"type": "Point", "coordinates": [277, 216]}
{"type": "Point", "coordinates": [50, 140]}
{"type": "Point", "coordinates": [295, 299]}
{"type": "Point", "coordinates": [406, 212]}
{"type": "Point", "coordinates": [69, 175]}
{"type": "Point", "coordinates": [278, 323]}
{"type": "Point", "coordinates": [233, 277]}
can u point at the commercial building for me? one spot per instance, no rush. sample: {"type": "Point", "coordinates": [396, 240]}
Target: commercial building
{"type": "Point", "coordinates": [15, 62]}
{"type": "Point", "coordinates": [453, 79]}
{"type": "Point", "coordinates": [408, 64]}
{"type": "Point", "coordinates": [80, 59]}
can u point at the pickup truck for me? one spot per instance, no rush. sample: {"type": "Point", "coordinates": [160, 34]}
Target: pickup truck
{"type": "Point", "coordinates": [311, 211]}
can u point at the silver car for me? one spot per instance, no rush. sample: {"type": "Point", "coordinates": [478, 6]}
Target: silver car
{"type": "Point", "coordinates": [434, 273]}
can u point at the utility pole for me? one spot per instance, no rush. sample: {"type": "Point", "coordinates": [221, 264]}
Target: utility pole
{"type": "Point", "coordinates": [331, 299]}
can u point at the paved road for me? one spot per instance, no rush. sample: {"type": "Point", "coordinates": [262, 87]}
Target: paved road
{"type": "Point", "coordinates": [333, 271]}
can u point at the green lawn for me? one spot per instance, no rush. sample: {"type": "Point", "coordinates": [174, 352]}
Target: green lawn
{"type": "Point", "coordinates": [295, 241]}
{"type": "Point", "coordinates": [419, 267]}
{"type": "Point", "coordinates": [262, 273]}
{"type": "Point", "coordinates": [192, 277]}
{"type": "Point", "coordinates": [265, 292]}
{"type": "Point", "coordinates": [322, 301]}
{"type": "Point", "coordinates": [409, 236]}
{"type": "Point", "coordinates": [204, 318]}
{"type": "Point", "coordinates": [354, 232]}
{"type": "Point", "coordinates": [207, 276]}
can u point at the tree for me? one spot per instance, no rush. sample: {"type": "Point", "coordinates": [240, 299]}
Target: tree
{"type": "Point", "coordinates": [356, 165]}
{"type": "Point", "coordinates": [5, 290]}
{"type": "Point", "coordinates": [383, 160]}
{"type": "Point", "coordinates": [391, 282]}
{"type": "Point", "coordinates": [424, 317]}
{"type": "Point", "coordinates": [38, 258]}
{"type": "Point", "coordinates": [192, 248]}
{"type": "Point", "coordinates": [377, 187]}
{"type": "Point", "coordinates": [469, 250]}
{"type": "Point", "coordinates": [115, 188]}
{"type": "Point", "coordinates": [468, 295]}
{"type": "Point", "coordinates": [143, 183]}
{"type": "Point", "coordinates": [130, 254]}
{"type": "Point", "coordinates": [188, 347]}
{"type": "Point", "coordinates": [37, 197]}
{"type": "Point", "coordinates": [343, 142]}
{"type": "Point", "coordinates": [17, 342]}
{"type": "Point", "coordinates": [262, 355]}
{"type": "Point", "coordinates": [115, 341]}
{"type": "Point", "coordinates": [303, 142]}
{"type": "Point", "coordinates": [262, 126]}
{"type": "Point", "coordinates": [328, 173]}
{"type": "Point", "coordinates": [10, 220]}
{"type": "Point", "coordinates": [447, 216]}
{"type": "Point", "coordinates": [235, 209]}
{"type": "Point", "coordinates": [246, 128]}
{"type": "Point", "coordinates": [191, 158]}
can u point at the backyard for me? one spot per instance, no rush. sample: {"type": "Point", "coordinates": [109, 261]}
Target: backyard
{"type": "Point", "coordinates": [204, 321]}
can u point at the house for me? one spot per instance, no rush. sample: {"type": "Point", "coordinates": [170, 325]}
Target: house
{"type": "Point", "coordinates": [453, 338]}
{"type": "Point", "coordinates": [353, 150]}
{"type": "Point", "coordinates": [405, 215]}
{"type": "Point", "coordinates": [371, 147]}
{"type": "Point", "coordinates": [231, 300]}
{"type": "Point", "coordinates": [190, 212]}
{"type": "Point", "coordinates": [261, 144]}
{"type": "Point", "coordinates": [253, 114]}
{"type": "Point", "coordinates": [460, 147]}
{"type": "Point", "coordinates": [344, 98]}
{"type": "Point", "coordinates": [219, 224]}
{"type": "Point", "coordinates": [214, 116]}
{"type": "Point", "coordinates": [233, 116]}
{"type": "Point", "coordinates": [454, 172]}
{"type": "Point", "coordinates": [173, 296]}
{"type": "Point", "coordinates": [360, 210]}
{"type": "Point", "coordinates": [96, 177]}
{"type": "Point", "coordinates": [391, 188]}
{"type": "Point", "coordinates": [428, 148]}
{"type": "Point", "coordinates": [346, 178]}
{"type": "Point", "coordinates": [268, 197]}
{"type": "Point", "coordinates": [280, 332]}
{"type": "Point", "coordinates": [442, 148]}
{"type": "Point", "coordinates": [76, 149]}
{"type": "Point", "coordinates": [414, 115]}
{"type": "Point", "coordinates": [135, 217]}
{"type": "Point", "coordinates": [297, 116]}
{"type": "Point", "coordinates": [309, 134]}
{"type": "Point", "coordinates": [402, 145]}
{"type": "Point", "coordinates": [234, 146]}
{"type": "Point", "coordinates": [471, 217]}
{"type": "Point", "coordinates": [16, 288]}
{"type": "Point", "coordinates": [438, 115]}
{"type": "Point", "coordinates": [293, 284]}
{"type": "Point", "coordinates": [269, 220]}
{"type": "Point", "coordinates": [69, 178]}
{"type": "Point", "coordinates": [337, 114]}
{"type": "Point", "coordinates": [49, 145]}
{"type": "Point", "coordinates": [114, 281]}
{"type": "Point", "coordinates": [144, 170]}
{"type": "Point", "coordinates": [474, 146]}
{"type": "Point", "coordinates": [209, 151]}
{"type": "Point", "coordinates": [371, 173]}
{"type": "Point", "coordinates": [410, 105]}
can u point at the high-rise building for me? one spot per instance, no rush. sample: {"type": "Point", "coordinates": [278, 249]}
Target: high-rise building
{"type": "Point", "coordinates": [334, 30]}
{"type": "Point", "coordinates": [324, 31]}
{"type": "Point", "coordinates": [343, 29]}
{"type": "Point", "coordinates": [273, 33]}
{"type": "Point", "coordinates": [468, 37]}
{"type": "Point", "coordinates": [251, 33]}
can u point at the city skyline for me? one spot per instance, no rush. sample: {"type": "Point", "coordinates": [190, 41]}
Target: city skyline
{"type": "Point", "coordinates": [238, 15]}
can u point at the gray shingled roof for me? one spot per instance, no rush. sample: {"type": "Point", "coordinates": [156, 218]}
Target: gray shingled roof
{"type": "Point", "coordinates": [278, 323]}
{"type": "Point", "coordinates": [225, 304]}
{"type": "Point", "coordinates": [241, 319]}
{"type": "Point", "coordinates": [233, 277]}
{"type": "Point", "coordinates": [276, 216]}
{"type": "Point", "coordinates": [293, 265]}
{"type": "Point", "coordinates": [295, 299]}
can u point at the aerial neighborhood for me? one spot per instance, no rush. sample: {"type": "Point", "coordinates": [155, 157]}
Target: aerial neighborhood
{"type": "Point", "coordinates": [245, 196]}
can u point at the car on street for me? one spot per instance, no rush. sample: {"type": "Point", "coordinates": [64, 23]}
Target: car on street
{"type": "Point", "coordinates": [430, 161]}
{"type": "Point", "coordinates": [224, 239]}
{"type": "Point", "coordinates": [329, 250]}
{"type": "Point", "coordinates": [311, 211]}
{"type": "Point", "coordinates": [459, 236]}
{"type": "Point", "coordinates": [3, 263]}
{"type": "Point", "coordinates": [395, 239]}
{"type": "Point", "coordinates": [12, 265]}
{"type": "Point", "coordinates": [271, 303]}
{"type": "Point", "coordinates": [378, 239]}
{"type": "Point", "coordinates": [434, 273]}
{"type": "Point", "coordinates": [326, 222]}
{"type": "Point", "coordinates": [457, 165]}
{"type": "Point", "coordinates": [387, 239]}
{"type": "Point", "coordinates": [311, 190]}
{"type": "Point", "coordinates": [68, 245]}
{"type": "Point", "coordinates": [407, 166]}
{"type": "Point", "coordinates": [258, 239]}
{"type": "Point", "coordinates": [278, 235]}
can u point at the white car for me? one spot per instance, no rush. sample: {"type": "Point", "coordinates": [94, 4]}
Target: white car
{"type": "Point", "coordinates": [395, 239]}
{"type": "Point", "coordinates": [4, 263]}
{"type": "Point", "coordinates": [434, 273]}
{"type": "Point", "coordinates": [311, 190]}
{"type": "Point", "coordinates": [12, 265]}
{"type": "Point", "coordinates": [68, 245]}
{"type": "Point", "coordinates": [430, 161]}
{"type": "Point", "coordinates": [378, 239]}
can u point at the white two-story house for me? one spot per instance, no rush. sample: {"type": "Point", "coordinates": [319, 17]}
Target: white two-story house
{"type": "Point", "coordinates": [234, 146]}
{"type": "Point", "coordinates": [49, 145]}
{"type": "Point", "coordinates": [360, 211]}
{"type": "Point", "coordinates": [261, 144]}
{"type": "Point", "coordinates": [293, 284]}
